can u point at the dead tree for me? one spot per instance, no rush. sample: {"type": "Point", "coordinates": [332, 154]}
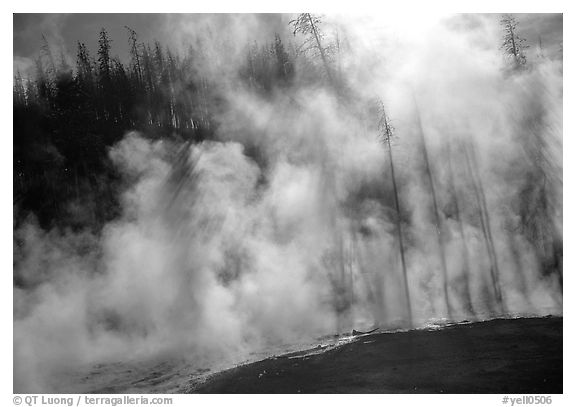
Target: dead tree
{"type": "Point", "coordinates": [478, 189]}
{"type": "Point", "coordinates": [308, 25]}
{"type": "Point", "coordinates": [458, 216]}
{"type": "Point", "coordinates": [512, 45]}
{"type": "Point", "coordinates": [386, 132]}
{"type": "Point", "coordinates": [437, 222]}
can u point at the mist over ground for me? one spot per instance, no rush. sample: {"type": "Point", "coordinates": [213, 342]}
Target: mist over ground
{"type": "Point", "coordinates": [298, 177]}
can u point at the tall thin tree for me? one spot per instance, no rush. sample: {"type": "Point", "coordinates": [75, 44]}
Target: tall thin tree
{"type": "Point", "coordinates": [512, 44]}
{"type": "Point", "coordinates": [436, 212]}
{"type": "Point", "coordinates": [309, 25]}
{"type": "Point", "coordinates": [386, 132]}
{"type": "Point", "coordinates": [472, 169]}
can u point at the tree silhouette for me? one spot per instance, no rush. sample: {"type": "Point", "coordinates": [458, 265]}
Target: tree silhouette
{"type": "Point", "coordinates": [512, 44]}
{"type": "Point", "coordinates": [386, 133]}
{"type": "Point", "coordinates": [309, 26]}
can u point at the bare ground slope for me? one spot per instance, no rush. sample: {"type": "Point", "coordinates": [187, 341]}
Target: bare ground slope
{"type": "Point", "coordinates": [498, 356]}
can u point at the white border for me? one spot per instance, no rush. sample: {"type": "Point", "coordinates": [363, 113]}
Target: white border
{"type": "Point", "coordinates": [357, 6]}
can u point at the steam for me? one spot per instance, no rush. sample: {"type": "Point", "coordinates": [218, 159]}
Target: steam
{"type": "Point", "coordinates": [220, 252]}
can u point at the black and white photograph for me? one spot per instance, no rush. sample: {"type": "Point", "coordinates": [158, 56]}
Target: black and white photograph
{"type": "Point", "coordinates": [287, 203]}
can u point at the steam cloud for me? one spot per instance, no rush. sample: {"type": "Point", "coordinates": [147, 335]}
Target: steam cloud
{"type": "Point", "coordinates": [220, 251]}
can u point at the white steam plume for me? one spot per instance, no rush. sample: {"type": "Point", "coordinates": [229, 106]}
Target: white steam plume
{"type": "Point", "coordinates": [217, 255]}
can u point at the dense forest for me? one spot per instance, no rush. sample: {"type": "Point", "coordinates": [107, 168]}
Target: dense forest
{"type": "Point", "coordinates": [392, 210]}
{"type": "Point", "coordinates": [66, 118]}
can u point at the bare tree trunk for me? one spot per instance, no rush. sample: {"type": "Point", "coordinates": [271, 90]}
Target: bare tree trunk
{"type": "Point", "coordinates": [517, 258]}
{"type": "Point", "coordinates": [466, 253]}
{"type": "Point", "coordinates": [337, 265]}
{"type": "Point", "coordinates": [438, 225]}
{"type": "Point", "coordinates": [515, 52]}
{"type": "Point", "coordinates": [485, 223]}
{"type": "Point", "coordinates": [319, 44]}
{"type": "Point", "coordinates": [398, 220]}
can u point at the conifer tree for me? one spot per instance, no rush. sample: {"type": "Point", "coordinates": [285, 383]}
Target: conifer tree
{"type": "Point", "coordinates": [512, 44]}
